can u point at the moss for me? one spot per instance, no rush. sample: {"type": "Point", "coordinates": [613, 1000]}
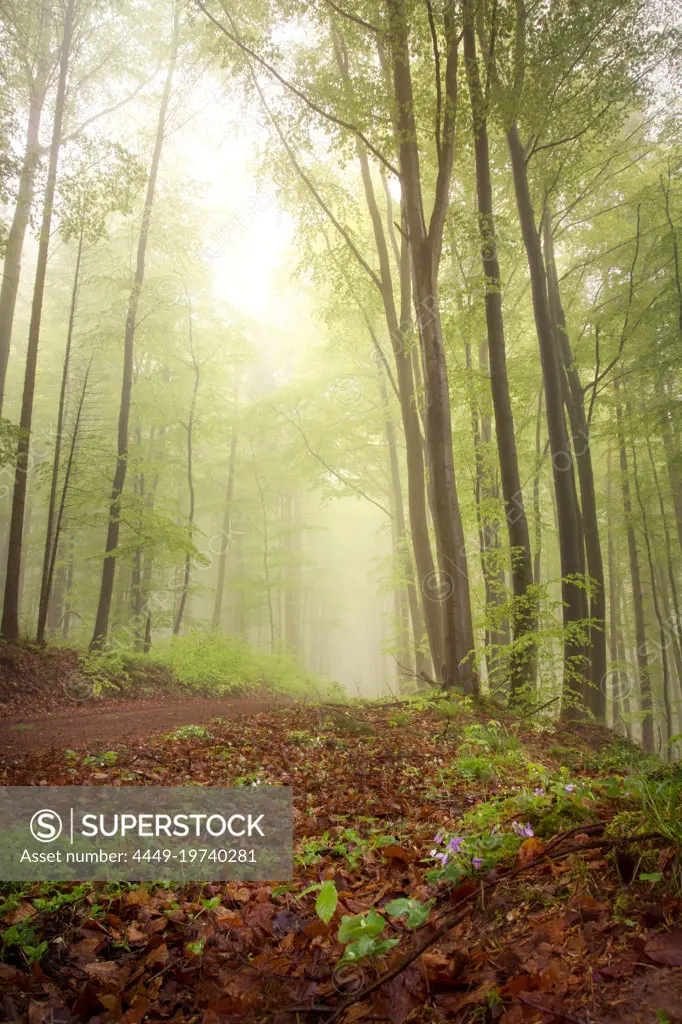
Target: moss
{"type": "Point", "coordinates": [548, 822]}
{"type": "Point", "coordinates": [624, 824]}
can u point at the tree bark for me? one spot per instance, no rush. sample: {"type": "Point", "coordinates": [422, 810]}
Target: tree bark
{"type": "Point", "coordinates": [190, 479]}
{"type": "Point", "coordinates": [451, 588]}
{"type": "Point", "coordinates": [564, 485]}
{"type": "Point", "coordinates": [10, 612]}
{"type": "Point", "coordinates": [575, 406]}
{"type": "Point", "coordinates": [403, 552]}
{"type": "Point", "coordinates": [524, 611]}
{"type": "Point", "coordinates": [49, 535]}
{"type": "Point", "coordinates": [11, 270]}
{"type": "Point", "coordinates": [637, 599]}
{"type": "Point", "coordinates": [227, 519]}
{"type": "Point", "coordinates": [107, 584]}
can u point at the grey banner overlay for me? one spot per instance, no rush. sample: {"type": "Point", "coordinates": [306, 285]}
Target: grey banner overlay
{"type": "Point", "coordinates": [136, 833]}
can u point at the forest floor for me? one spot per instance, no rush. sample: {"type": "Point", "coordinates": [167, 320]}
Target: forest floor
{"type": "Point", "coordinates": [111, 722]}
{"type": "Point", "coordinates": [579, 923]}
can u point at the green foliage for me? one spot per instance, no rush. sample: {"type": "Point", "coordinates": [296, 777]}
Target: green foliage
{"type": "Point", "coordinates": [207, 661]}
{"type": "Point", "coordinates": [327, 899]}
{"type": "Point", "coordinates": [361, 937]}
{"type": "Point", "coordinates": [184, 733]}
{"type": "Point", "coordinates": [416, 914]}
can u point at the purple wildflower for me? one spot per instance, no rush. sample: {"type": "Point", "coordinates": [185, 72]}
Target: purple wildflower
{"type": "Point", "coordinates": [539, 791]}
{"type": "Point", "coordinates": [454, 846]}
{"type": "Point", "coordinates": [438, 838]}
{"type": "Point", "coordinates": [524, 831]}
{"type": "Point", "coordinates": [477, 862]}
{"type": "Point", "coordinates": [569, 788]}
{"type": "Point", "coordinates": [443, 858]}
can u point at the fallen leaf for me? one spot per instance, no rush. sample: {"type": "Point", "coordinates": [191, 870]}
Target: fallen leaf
{"type": "Point", "coordinates": [104, 970]}
{"type": "Point", "coordinates": [666, 948]}
{"type": "Point", "coordinates": [529, 850]}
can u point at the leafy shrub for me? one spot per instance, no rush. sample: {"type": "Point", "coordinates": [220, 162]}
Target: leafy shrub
{"type": "Point", "coordinates": [225, 664]}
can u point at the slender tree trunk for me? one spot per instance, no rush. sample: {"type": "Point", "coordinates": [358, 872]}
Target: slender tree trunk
{"type": "Point", "coordinates": [524, 613]}
{"type": "Point", "coordinates": [496, 635]}
{"type": "Point", "coordinates": [399, 331]}
{"type": "Point", "coordinates": [669, 563]}
{"type": "Point", "coordinates": [68, 588]}
{"type": "Point", "coordinates": [49, 534]}
{"type": "Point", "coordinates": [451, 588]}
{"type": "Point", "coordinates": [665, 672]}
{"type": "Point", "coordinates": [575, 405]}
{"type": "Point", "coordinates": [107, 585]}
{"type": "Point", "coordinates": [421, 663]}
{"type": "Point", "coordinates": [10, 612]}
{"type": "Point", "coordinates": [226, 531]}
{"type": "Point", "coordinates": [537, 508]}
{"type": "Point", "coordinates": [564, 485]}
{"type": "Point", "coordinates": [637, 599]}
{"type": "Point", "coordinates": [11, 270]}
{"type": "Point", "coordinates": [190, 480]}
{"type": "Point", "coordinates": [68, 469]}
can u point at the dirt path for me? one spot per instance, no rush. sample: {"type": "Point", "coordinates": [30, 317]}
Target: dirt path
{"type": "Point", "coordinates": [88, 725]}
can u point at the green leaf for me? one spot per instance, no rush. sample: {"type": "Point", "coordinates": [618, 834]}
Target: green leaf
{"type": "Point", "coordinates": [653, 876]}
{"type": "Point", "coordinates": [361, 926]}
{"type": "Point", "coordinates": [366, 946]}
{"type": "Point", "coordinates": [326, 902]}
{"type": "Point", "coordinates": [417, 913]}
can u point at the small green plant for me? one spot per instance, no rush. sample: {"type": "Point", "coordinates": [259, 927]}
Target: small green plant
{"type": "Point", "coordinates": [477, 769]}
{"type": "Point", "coordinates": [399, 720]}
{"type": "Point", "coordinates": [189, 732]}
{"type": "Point", "coordinates": [108, 759]}
{"type": "Point", "coordinates": [415, 913]}
{"type": "Point", "coordinates": [327, 899]}
{"type": "Point", "coordinates": [361, 937]}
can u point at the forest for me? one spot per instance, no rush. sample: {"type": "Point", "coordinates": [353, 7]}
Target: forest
{"type": "Point", "coordinates": [340, 367]}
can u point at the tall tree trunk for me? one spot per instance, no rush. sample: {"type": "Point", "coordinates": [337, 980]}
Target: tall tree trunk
{"type": "Point", "coordinates": [665, 671]}
{"type": "Point", "coordinates": [226, 531]}
{"type": "Point", "coordinates": [49, 533]}
{"type": "Point", "coordinates": [496, 636]}
{"type": "Point", "coordinates": [637, 599]}
{"type": "Point", "coordinates": [669, 563]}
{"type": "Point", "coordinates": [68, 470]}
{"type": "Point", "coordinates": [452, 586]}
{"type": "Point", "coordinates": [11, 270]}
{"type": "Point", "coordinates": [537, 509]}
{"type": "Point", "coordinates": [421, 662]}
{"type": "Point", "coordinates": [10, 612]}
{"type": "Point", "coordinates": [564, 484]}
{"type": "Point", "coordinates": [619, 700]}
{"type": "Point", "coordinates": [575, 406]}
{"type": "Point", "coordinates": [108, 570]}
{"type": "Point", "coordinates": [524, 612]}
{"type": "Point", "coordinates": [190, 479]}
{"type": "Point", "coordinates": [399, 331]}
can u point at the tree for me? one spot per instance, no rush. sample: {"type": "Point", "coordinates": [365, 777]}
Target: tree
{"type": "Point", "coordinates": [10, 612]}
{"type": "Point", "coordinates": [107, 585]}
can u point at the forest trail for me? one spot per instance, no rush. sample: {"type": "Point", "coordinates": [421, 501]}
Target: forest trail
{"type": "Point", "coordinates": [87, 724]}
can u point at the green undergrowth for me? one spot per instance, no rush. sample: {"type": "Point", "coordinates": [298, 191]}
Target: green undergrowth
{"type": "Point", "coordinates": [203, 663]}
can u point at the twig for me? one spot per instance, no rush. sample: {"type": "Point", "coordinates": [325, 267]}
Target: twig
{"type": "Point", "coordinates": [540, 707]}
{"type": "Point", "coordinates": [561, 1014]}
